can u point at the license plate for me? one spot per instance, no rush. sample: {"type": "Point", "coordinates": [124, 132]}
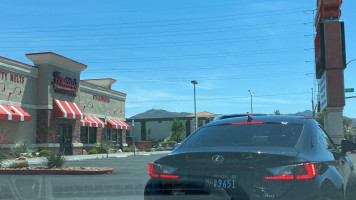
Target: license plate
{"type": "Point", "coordinates": [225, 183]}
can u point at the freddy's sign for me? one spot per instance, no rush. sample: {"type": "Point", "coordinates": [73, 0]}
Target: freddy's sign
{"type": "Point", "coordinates": [66, 86]}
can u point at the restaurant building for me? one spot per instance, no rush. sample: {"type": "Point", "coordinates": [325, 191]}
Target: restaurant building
{"type": "Point", "coordinates": [47, 105]}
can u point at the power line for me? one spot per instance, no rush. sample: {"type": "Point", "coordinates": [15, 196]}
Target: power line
{"type": "Point", "coordinates": [197, 56]}
{"type": "Point", "coordinates": [253, 26]}
{"type": "Point", "coordinates": [270, 13]}
{"type": "Point", "coordinates": [214, 78]}
{"type": "Point", "coordinates": [259, 38]}
{"type": "Point", "coordinates": [178, 43]}
{"type": "Point", "coordinates": [196, 67]}
{"type": "Point", "coordinates": [111, 28]}
{"type": "Point", "coordinates": [218, 98]}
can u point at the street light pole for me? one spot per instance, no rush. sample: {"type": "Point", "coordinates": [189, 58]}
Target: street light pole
{"type": "Point", "coordinates": [313, 109]}
{"type": "Point", "coordinates": [194, 82]}
{"type": "Point", "coordinates": [251, 93]}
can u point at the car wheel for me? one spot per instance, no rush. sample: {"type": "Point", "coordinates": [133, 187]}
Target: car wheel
{"type": "Point", "coordinates": [351, 187]}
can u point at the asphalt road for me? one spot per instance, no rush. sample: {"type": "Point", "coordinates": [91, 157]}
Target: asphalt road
{"type": "Point", "coordinates": [127, 181]}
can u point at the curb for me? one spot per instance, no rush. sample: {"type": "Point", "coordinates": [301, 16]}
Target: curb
{"type": "Point", "coordinates": [25, 171]}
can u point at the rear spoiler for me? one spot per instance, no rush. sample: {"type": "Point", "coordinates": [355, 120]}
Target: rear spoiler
{"type": "Point", "coordinates": [238, 115]}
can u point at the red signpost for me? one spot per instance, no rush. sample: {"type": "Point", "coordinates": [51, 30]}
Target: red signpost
{"type": "Point", "coordinates": [330, 62]}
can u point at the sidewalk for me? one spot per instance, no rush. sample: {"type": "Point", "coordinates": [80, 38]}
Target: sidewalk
{"type": "Point", "coordinates": [40, 160]}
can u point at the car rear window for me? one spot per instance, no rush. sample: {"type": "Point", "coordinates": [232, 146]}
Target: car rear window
{"type": "Point", "coordinates": [269, 134]}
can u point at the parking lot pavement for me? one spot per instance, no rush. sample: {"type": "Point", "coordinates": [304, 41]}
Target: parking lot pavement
{"type": "Point", "coordinates": [352, 156]}
{"type": "Point", "coordinates": [40, 160]}
{"type": "Point", "coordinates": [127, 182]}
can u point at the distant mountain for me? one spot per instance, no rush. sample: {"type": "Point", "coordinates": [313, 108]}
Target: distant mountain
{"type": "Point", "coordinates": [307, 113]}
{"type": "Point", "coordinates": [157, 113]}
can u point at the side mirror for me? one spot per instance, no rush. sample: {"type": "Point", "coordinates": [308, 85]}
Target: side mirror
{"type": "Point", "coordinates": [347, 146]}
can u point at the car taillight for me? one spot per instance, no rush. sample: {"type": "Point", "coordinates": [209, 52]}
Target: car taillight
{"type": "Point", "coordinates": [293, 172]}
{"type": "Point", "coordinates": [161, 171]}
{"type": "Point", "coordinates": [246, 123]}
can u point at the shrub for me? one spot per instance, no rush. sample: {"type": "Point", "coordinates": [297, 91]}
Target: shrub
{"type": "Point", "coordinates": [44, 153]}
{"type": "Point", "coordinates": [160, 149]}
{"type": "Point", "coordinates": [148, 150]}
{"type": "Point", "coordinates": [22, 148]}
{"type": "Point", "coordinates": [3, 155]}
{"type": "Point", "coordinates": [169, 144]}
{"type": "Point", "coordinates": [92, 151]}
{"type": "Point", "coordinates": [102, 147]}
{"type": "Point", "coordinates": [172, 143]}
{"type": "Point", "coordinates": [127, 150]}
{"type": "Point", "coordinates": [19, 164]}
{"type": "Point", "coordinates": [54, 160]}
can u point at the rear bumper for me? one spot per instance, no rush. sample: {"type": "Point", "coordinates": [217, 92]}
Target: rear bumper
{"type": "Point", "coordinates": [309, 190]}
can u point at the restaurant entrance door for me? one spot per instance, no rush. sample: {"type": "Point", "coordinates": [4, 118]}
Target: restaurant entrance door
{"type": "Point", "coordinates": [65, 139]}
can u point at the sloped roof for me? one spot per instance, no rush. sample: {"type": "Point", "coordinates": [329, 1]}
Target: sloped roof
{"type": "Point", "coordinates": [203, 114]}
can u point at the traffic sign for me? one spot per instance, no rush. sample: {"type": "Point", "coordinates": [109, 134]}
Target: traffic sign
{"type": "Point", "coordinates": [349, 89]}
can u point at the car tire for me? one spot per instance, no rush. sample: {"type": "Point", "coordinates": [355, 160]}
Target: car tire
{"type": "Point", "coordinates": [351, 187]}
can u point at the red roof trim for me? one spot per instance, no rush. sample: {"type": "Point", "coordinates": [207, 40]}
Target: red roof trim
{"type": "Point", "coordinates": [103, 87]}
{"type": "Point", "coordinates": [16, 61]}
{"type": "Point", "coordinates": [99, 79]}
{"type": "Point", "coordinates": [56, 55]}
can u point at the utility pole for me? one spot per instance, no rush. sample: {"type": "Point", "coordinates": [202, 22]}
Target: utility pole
{"type": "Point", "coordinates": [251, 93]}
{"type": "Point", "coordinates": [194, 82]}
{"type": "Point", "coordinates": [133, 137]}
{"type": "Point", "coordinates": [106, 138]}
{"type": "Point", "coordinates": [313, 109]}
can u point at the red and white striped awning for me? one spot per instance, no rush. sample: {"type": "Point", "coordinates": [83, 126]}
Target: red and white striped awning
{"type": "Point", "coordinates": [91, 121]}
{"type": "Point", "coordinates": [66, 109]}
{"type": "Point", "coordinates": [14, 113]}
{"type": "Point", "coordinates": [117, 124]}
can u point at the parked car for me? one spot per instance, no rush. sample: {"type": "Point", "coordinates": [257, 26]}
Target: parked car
{"type": "Point", "coordinates": [255, 157]}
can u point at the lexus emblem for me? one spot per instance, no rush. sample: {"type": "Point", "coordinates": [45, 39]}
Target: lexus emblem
{"type": "Point", "coordinates": [217, 159]}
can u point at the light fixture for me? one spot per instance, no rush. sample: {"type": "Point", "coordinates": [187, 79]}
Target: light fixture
{"type": "Point", "coordinates": [92, 105]}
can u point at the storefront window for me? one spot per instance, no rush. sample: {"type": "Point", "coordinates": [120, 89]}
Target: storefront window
{"type": "Point", "coordinates": [92, 135]}
{"type": "Point", "coordinates": [88, 135]}
{"type": "Point", "coordinates": [84, 135]}
{"type": "Point", "coordinates": [114, 136]}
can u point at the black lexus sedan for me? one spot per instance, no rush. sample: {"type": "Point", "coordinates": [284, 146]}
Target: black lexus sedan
{"type": "Point", "coordinates": [255, 157]}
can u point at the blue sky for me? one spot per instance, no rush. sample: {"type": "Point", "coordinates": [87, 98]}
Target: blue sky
{"type": "Point", "coordinates": [155, 48]}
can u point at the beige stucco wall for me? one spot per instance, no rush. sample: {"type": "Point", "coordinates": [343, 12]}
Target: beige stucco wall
{"type": "Point", "coordinates": [21, 131]}
{"type": "Point", "coordinates": [114, 109]}
{"type": "Point", "coordinates": [45, 87]}
{"type": "Point", "coordinates": [38, 95]}
{"type": "Point", "coordinates": [160, 129]}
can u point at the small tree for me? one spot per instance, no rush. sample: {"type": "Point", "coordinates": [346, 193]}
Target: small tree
{"type": "Point", "coordinates": [187, 127]}
{"type": "Point", "coordinates": [200, 123]}
{"type": "Point", "coordinates": [149, 133]}
{"type": "Point", "coordinates": [320, 118]}
{"type": "Point", "coordinates": [276, 112]}
{"type": "Point", "coordinates": [177, 130]}
{"type": "Point", "coordinates": [347, 123]}
{"type": "Point", "coordinates": [143, 129]}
